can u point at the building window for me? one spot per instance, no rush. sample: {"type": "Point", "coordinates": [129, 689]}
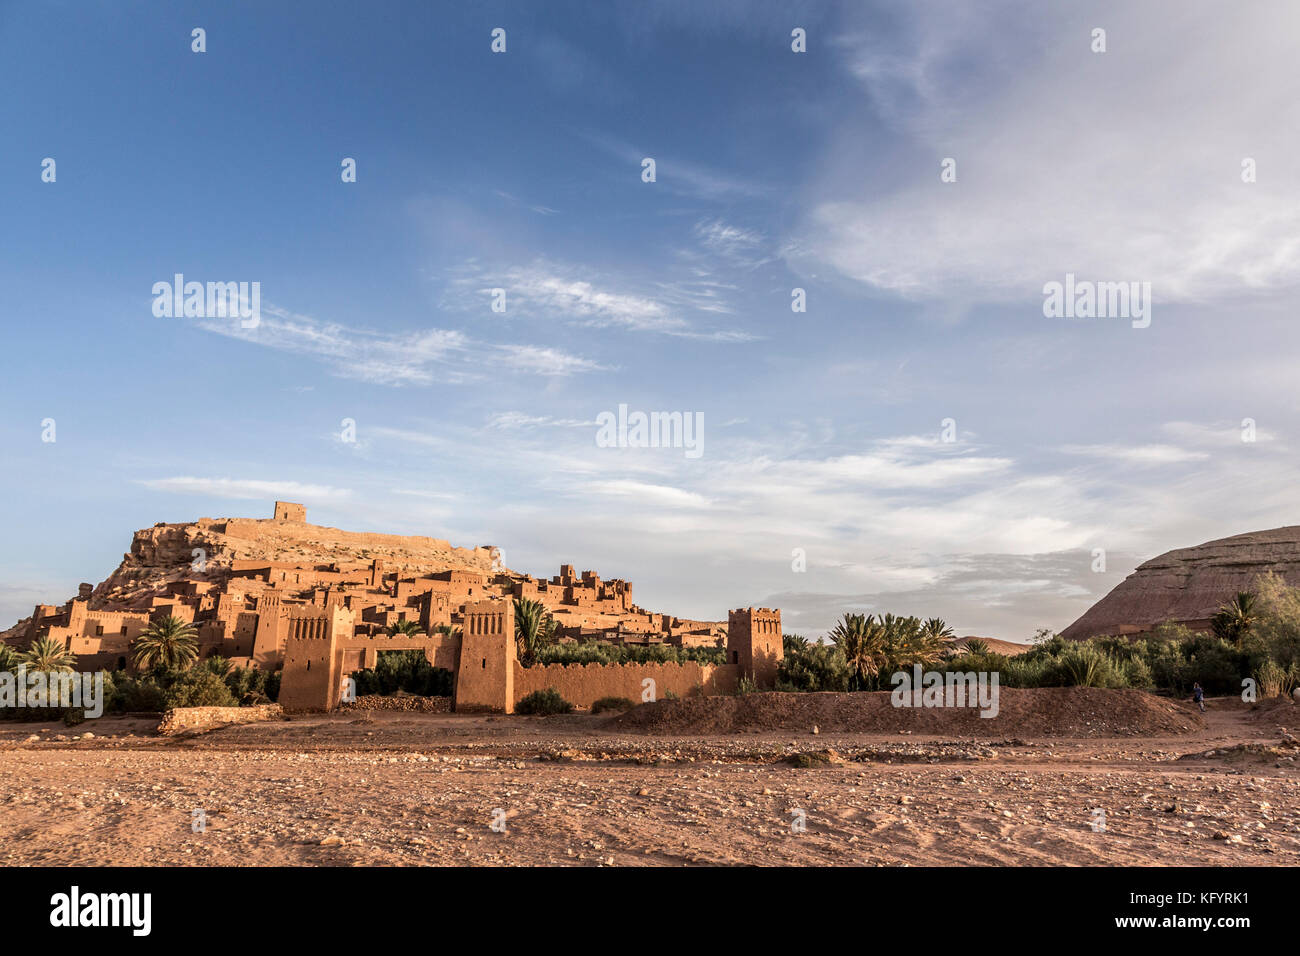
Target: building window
{"type": "Point", "coordinates": [99, 630]}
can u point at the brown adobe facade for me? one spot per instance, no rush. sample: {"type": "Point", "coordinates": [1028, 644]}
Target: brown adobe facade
{"type": "Point", "coordinates": [321, 621]}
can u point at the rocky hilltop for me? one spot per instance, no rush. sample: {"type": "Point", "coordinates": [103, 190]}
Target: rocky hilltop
{"type": "Point", "coordinates": [1188, 585]}
{"type": "Point", "coordinates": [207, 549]}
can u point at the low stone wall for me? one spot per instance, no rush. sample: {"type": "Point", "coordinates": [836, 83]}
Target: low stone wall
{"type": "Point", "coordinates": [422, 705]}
{"type": "Point", "coordinates": [182, 719]}
{"type": "Point", "coordinates": [582, 684]}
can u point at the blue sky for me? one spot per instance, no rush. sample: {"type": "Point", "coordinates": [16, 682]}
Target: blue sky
{"type": "Point", "coordinates": [775, 170]}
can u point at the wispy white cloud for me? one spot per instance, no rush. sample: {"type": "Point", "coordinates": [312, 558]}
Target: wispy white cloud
{"type": "Point", "coordinates": [1153, 454]}
{"type": "Point", "coordinates": [541, 360]}
{"type": "Point", "coordinates": [518, 420]}
{"type": "Point", "coordinates": [560, 292]}
{"type": "Point", "coordinates": [645, 494]}
{"type": "Point", "coordinates": [247, 488]}
{"type": "Point", "coordinates": [676, 174]}
{"type": "Point", "coordinates": [416, 357]}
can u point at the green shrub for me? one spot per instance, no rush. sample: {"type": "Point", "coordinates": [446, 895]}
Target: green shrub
{"type": "Point", "coordinates": [1137, 673]}
{"type": "Point", "coordinates": [199, 688]}
{"type": "Point", "coordinates": [1083, 666]}
{"type": "Point", "coordinates": [544, 703]}
{"type": "Point", "coordinates": [1274, 680]}
{"type": "Point", "coordinates": [137, 694]}
{"type": "Point", "coordinates": [612, 703]}
{"type": "Point", "coordinates": [813, 667]}
{"type": "Point", "coordinates": [248, 684]}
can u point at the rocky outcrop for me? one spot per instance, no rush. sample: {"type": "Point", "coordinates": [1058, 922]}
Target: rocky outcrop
{"type": "Point", "coordinates": [168, 553]}
{"type": "Point", "coordinates": [1188, 585]}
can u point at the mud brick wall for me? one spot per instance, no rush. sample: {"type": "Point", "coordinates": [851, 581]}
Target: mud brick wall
{"type": "Point", "coordinates": [581, 684]}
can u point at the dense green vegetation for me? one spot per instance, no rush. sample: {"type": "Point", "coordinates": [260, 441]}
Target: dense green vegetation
{"type": "Point", "coordinates": [406, 671]}
{"type": "Point", "coordinates": [208, 683]}
{"type": "Point", "coordinates": [1255, 635]}
{"type": "Point", "coordinates": [627, 654]}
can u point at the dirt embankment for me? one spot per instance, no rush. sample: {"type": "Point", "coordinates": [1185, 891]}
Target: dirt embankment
{"type": "Point", "coordinates": [1041, 712]}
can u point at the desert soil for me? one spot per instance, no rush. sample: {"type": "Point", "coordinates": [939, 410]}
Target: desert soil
{"type": "Point", "coordinates": [383, 788]}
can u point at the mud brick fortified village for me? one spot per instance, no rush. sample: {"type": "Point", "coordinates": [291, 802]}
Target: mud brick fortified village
{"type": "Point", "coordinates": [320, 603]}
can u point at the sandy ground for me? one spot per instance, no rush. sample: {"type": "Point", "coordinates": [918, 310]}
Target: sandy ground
{"type": "Point", "coordinates": [404, 788]}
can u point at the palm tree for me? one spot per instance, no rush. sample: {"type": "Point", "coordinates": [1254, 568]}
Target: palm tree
{"type": "Point", "coordinates": [218, 665]}
{"type": "Point", "coordinates": [862, 639]}
{"type": "Point", "coordinates": [934, 641]}
{"type": "Point", "coordinates": [534, 628]}
{"type": "Point", "coordinates": [170, 642]}
{"type": "Point", "coordinates": [938, 628]}
{"type": "Point", "coordinates": [47, 654]}
{"type": "Point", "coordinates": [906, 644]}
{"type": "Point", "coordinates": [450, 630]}
{"type": "Point", "coordinates": [406, 628]}
{"type": "Point", "coordinates": [9, 658]}
{"type": "Point", "coordinates": [792, 644]}
{"type": "Point", "coordinates": [1236, 618]}
{"type": "Point", "coordinates": [976, 645]}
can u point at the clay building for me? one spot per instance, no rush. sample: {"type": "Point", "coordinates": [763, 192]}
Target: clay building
{"type": "Point", "coordinates": [322, 620]}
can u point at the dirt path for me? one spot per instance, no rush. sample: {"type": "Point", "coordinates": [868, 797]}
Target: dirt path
{"type": "Point", "coordinates": [423, 789]}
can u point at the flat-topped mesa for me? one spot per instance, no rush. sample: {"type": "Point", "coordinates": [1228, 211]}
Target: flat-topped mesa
{"type": "Point", "coordinates": [1188, 585]}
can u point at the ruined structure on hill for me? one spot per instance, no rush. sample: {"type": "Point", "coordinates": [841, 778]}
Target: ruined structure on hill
{"type": "Point", "coordinates": [321, 603]}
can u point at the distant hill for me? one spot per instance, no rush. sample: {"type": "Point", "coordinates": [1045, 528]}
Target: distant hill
{"type": "Point", "coordinates": [1188, 585]}
{"type": "Point", "coordinates": [1009, 648]}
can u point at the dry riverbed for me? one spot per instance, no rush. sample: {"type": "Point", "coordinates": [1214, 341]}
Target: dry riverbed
{"type": "Point", "coordinates": [409, 788]}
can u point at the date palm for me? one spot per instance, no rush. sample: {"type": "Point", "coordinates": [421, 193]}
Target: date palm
{"type": "Point", "coordinates": [218, 665]}
{"type": "Point", "coordinates": [862, 640]}
{"type": "Point", "coordinates": [1236, 618]}
{"type": "Point", "coordinates": [170, 642]}
{"type": "Point", "coordinates": [534, 628]}
{"type": "Point", "coordinates": [407, 628]}
{"type": "Point", "coordinates": [47, 654]}
{"type": "Point", "coordinates": [904, 643]}
{"type": "Point", "coordinates": [935, 640]}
